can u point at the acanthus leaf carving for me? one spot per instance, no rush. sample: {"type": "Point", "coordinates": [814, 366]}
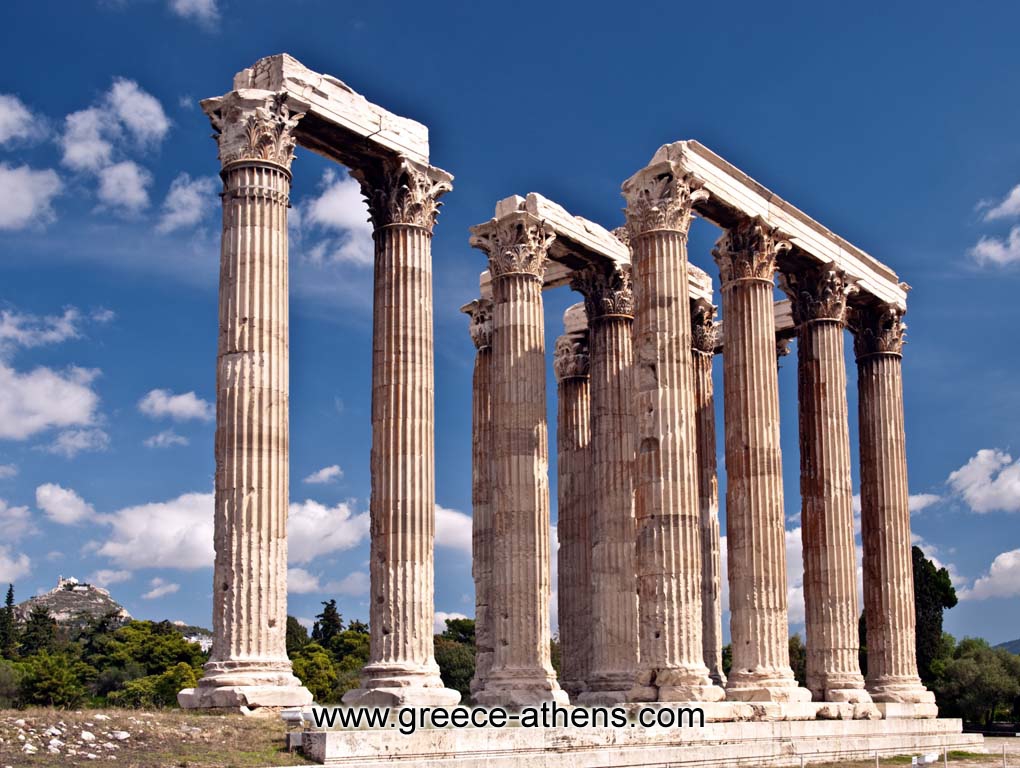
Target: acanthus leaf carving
{"type": "Point", "coordinates": [659, 198]}
{"type": "Point", "coordinates": [606, 290]}
{"type": "Point", "coordinates": [704, 331]}
{"type": "Point", "coordinates": [401, 191]}
{"type": "Point", "coordinates": [749, 251]}
{"type": "Point", "coordinates": [817, 293]}
{"type": "Point", "coordinates": [254, 128]}
{"type": "Point", "coordinates": [516, 244]}
{"type": "Point", "coordinates": [878, 330]}
{"type": "Point", "coordinates": [570, 357]}
{"type": "Point", "coordinates": [480, 312]}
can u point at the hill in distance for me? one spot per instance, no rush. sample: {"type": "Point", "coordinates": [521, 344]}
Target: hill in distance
{"type": "Point", "coordinates": [1013, 646]}
{"type": "Point", "coordinates": [74, 603]}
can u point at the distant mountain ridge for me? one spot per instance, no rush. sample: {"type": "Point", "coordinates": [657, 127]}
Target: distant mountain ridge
{"type": "Point", "coordinates": [74, 602]}
{"type": "Point", "coordinates": [1013, 646]}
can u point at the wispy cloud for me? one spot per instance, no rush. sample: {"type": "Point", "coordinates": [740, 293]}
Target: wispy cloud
{"type": "Point", "coordinates": [328, 474]}
{"type": "Point", "coordinates": [163, 402]}
{"type": "Point", "coordinates": [26, 196]}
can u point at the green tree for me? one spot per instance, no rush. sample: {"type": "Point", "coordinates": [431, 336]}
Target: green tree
{"type": "Point", "coordinates": [8, 627]}
{"type": "Point", "coordinates": [329, 623]}
{"type": "Point", "coordinates": [460, 631]}
{"type": "Point", "coordinates": [54, 680]}
{"type": "Point", "coordinates": [350, 653]}
{"type": "Point", "coordinates": [10, 684]}
{"type": "Point", "coordinates": [456, 664]}
{"type": "Point", "coordinates": [297, 636]}
{"type": "Point", "coordinates": [315, 668]}
{"type": "Point", "coordinates": [40, 632]}
{"type": "Point", "coordinates": [727, 659]}
{"type": "Point", "coordinates": [555, 653]}
{"type": "Point", "coordinates": [798, 659]}
{"type": "Point", "coordinates": [933, 594]}
{"type": "Point", "coordinates": [979, 682]}
{"type": "Point", "coordinates": [358, 626]}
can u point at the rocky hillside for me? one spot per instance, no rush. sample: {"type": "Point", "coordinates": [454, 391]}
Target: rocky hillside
{"type": "Point", "coordinates": [1013, 646]}
{"type": "Point", "coordinates": [73, 602]}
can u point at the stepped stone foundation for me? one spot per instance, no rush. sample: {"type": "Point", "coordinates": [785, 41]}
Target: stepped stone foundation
{"type": "Point", "coordinates": [638, 508]}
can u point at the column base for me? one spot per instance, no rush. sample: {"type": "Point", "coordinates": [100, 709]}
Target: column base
{"type": "Point", "coordinates": [574, 688]}
{"type": "Point", "coordinates": [718, 677]}
{"type": "Point", "coordinates": [246, 685]}
{"type": "Point", "coordinates": [775, 685]}
{"type": "Point", "coordinates": [899, 690]}
{"type": "Point", "coordinates": [675, 684]}
{"type": "Point", "coordinates": [523, 691]}
{"type": "Point", "coordinates": [607, 689]}
{"type": "Point", "coordinates": [401, 685]}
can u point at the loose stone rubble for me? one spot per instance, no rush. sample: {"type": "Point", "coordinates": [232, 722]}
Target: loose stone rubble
{"type": "Point", "coordinates": [638, 505]}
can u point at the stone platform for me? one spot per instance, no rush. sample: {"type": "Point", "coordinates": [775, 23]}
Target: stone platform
{"type": "Point", "coordinates": [745, 742]}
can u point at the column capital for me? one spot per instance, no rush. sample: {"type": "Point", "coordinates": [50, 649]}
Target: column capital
{"type": "Point", "coordinates": [748, 251]}
{"type": "Point", "coordinates": [480, 312]}
{"type": "Point", "coordinates": [255, 125]}
{"type": "Point", "coordinates": [570, 357]}
{"type": "Point", "coordinates": [606, 290]}
{"type": "Point", "coordinates": [659, 197]}
{"type": "Point", "coordinates": [402, 191]}
{"type": "Point", "coordinates": [517, 243]}
{"type": "Point", "coordinates": [704, 331]}
{"type": "Point", "coordinates": [818, 292]}
{"type": "Point", "coordinates": [878, 330]}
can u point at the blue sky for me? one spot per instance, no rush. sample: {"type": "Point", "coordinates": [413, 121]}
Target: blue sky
{"type": "Point", "coordinates": [894, 126]}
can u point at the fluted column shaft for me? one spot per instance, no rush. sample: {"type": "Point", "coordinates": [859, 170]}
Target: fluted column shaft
{"type": "Point", "coordinates": [522, 672]}
{"type": "Point", "coordinates": [671, 666]}
{"type": "Point", "coordinates": [755, 531]}
{"type": "Point", "coordinates": [704, 342]}
{"type": "Point", "coordinates": [612, 622]}
{"type": "Point", "coordinates": [481, 487]}
{"type": "Point", "coordinates": [574, 512]}
{"type": "Point", "coordinates": [885, 513]}
{"type": "Point", "coordinates": [401, 668]}
{"type": "Point", "coordinates": [248, 665]}
{"type": "Point", "coordinates": [818, 297]}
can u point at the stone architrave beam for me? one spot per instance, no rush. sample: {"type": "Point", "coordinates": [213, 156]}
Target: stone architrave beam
{"type": "Point", "coordinates": [734, 196]}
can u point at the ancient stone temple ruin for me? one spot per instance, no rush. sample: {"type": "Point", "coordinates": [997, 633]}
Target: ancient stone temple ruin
{"type": "Point", "coordinates": [638, 502]}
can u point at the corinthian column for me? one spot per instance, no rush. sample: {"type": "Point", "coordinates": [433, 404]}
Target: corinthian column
{"type": "Point", "coordinates": [755, 534]}
{"type": "Point", "coordinates": [248, 666]}
{"type": "Point", "coordinates": [705, 338]}
{"type": "Point", "coordinates": [885, 514]}
{"type": "Point", "coordinates": [522, 673]}
{"type": "Point", "coordinates": [573, 522]}
{"type": "Point", "coordinates": [481, 486]}
{"type": "Point", "coordinates": [612, 623]}
{"type": "Point", "coordinates": [671, 666]}
{"type": "Point", "coordinates": [403, 200]}
{"type": "Point", "coordinates": [818, 298]}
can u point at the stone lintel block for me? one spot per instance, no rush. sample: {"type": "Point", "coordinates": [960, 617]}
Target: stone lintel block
{"type": "Point", "coordinates": [402, 696]}
{"type": "Point", "coordinates": [521, 693]}
{"type": "Point", "coordinates": [339, 122]}
{"type": "Point", "coordinates": [899, 709]}
{"type": "Point", "coordinates": [244, 697]}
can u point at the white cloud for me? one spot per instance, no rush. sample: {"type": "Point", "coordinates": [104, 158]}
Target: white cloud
{"type": "Point", "coordinates": [921, 501]}
{"type": "Point", "coordinates": [163, 402]}
{"type": "Point", "coordinates": [989, 482]}
{"type": "Point", "coordinates": [43, 398]}
{"type": "Point", "coordinates": [439, 623]}
{"type": "Point", "coordinates": [997, 251]}
{"type": "Point", "coordinates": [19, 329]}
{"type": "Point", "coordinates": [171, 534]}
{"type": "Point", "coordinates": [160, 588]}
{"type": "Point", "coordinates": [187, 202]}
{"type": "Point", "coordinates": [453, 529]}
{"type": "Point", "coordinates": [1007, 208]}
{"type": "Point", "coordinates": [15, 522]}
{"type": "Point", "coordinates": [16, 121]}
{"type": "Point", "coordinates": [26, 196]}
{"type": "Point", "coordinates": [202, 11]}
{"type": "Point", "coordinates": [339, 208]}
{"type": "Point", "coordinates": [328, 474]}
{"type": "Point", "coordinates": [795, 576]}
{"type": "Point", "coordinates": [138, 111]}
{"type": "Point", "coordinates": [71, 442]}
{"type": "Point", "coordinates": [1002, 579]}
{"type": "Point", "coordinates": [302, 582]}
{"type": "Point", "coordinates": [106, 577]}
{"type": "Point", "coordinates": [314, 529]}
{"type": "Point", "coordinates": [124, 185]}
{"type": "Point", "coordinates": [103, 315]}
{"type": "Point", "coordinates": [63, 505]}
{"type": "Point", "coordinates": [8, 471]}
{"type": "Point", "coordinates": [87, 140]}
{"type": "Point", "coordinates": [13, 565]}
{"type": "Point", "coordinates": [165, 439]}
